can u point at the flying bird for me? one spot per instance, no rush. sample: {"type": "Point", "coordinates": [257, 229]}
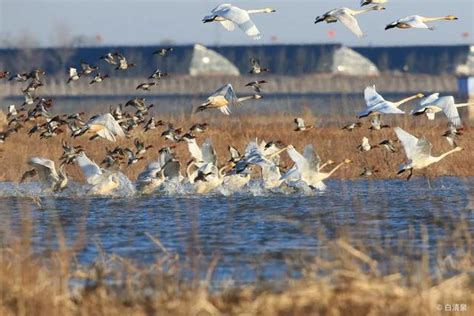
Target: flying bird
{"type": "Point", "coordinates": [229, 16]}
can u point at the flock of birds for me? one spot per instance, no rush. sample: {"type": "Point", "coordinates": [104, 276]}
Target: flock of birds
{"type": "Point", "coordinates": [204, 173]}
{"type": "Point", "coordinates": [230, 16]}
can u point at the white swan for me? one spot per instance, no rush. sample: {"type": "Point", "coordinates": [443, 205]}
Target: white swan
{"type": "Point", "coordinates": [433, 104]}
{"type": "Point", "coordinates": [417, 22]}
{"type": "Point", "coordinates": [347, 17]}
{"type": "Point", "coordinates": [418, 152]}
{"type": "Point", "coordinates": [308, 168]}
{"type": "Point", "coordinates": [47, 174]}
{"type": "Point", "coordinates": [104, 126]}
{"type": "Point", "coordinates": [229, 16]}
{"type": "Point", "coordinates": [224, 97]}
{"type": "Point", "coordinates": [376, 104]}
{"type": "Point", "coordinates": [156, 174]}
{"type": "Point", "coordinates": [102, 181]}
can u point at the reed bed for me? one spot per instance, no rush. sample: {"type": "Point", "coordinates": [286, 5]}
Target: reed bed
{"type": "Point", "coordinates": [330, 141]}
{"type": "Point", "coordinates": [344, 278]}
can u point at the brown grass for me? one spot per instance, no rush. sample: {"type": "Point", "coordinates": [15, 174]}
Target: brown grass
{"type": "Point", "coordinates": [329, 140]}
{"type": "Point", "coordinates": [342, 280]}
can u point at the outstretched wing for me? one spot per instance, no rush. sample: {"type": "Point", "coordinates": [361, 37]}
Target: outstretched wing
{"type": "Point", "coordinates": [351, 23]}
{"type": "Point", "coordinates": [371, 96]}
{"type": "Point", "coordinates": [414, 147]}
{"type": "Point", "coordinates": [89, 168]}
{"type": "Point", "coordinates": [450, 110]}
{"type": "Point", "coordinates": [208, 153]}
{"type": "Point", "coordinates": [45, 168]}
{"type": "Point", "coordinates": [311, 157]}
{"type": "Point", "coordinates": [299, 159]}
{"type": "Point", "coordinates": [242, 19]}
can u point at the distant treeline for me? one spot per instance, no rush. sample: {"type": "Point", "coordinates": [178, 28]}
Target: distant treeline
{"type": "Point", "coordinates": [281, 59]}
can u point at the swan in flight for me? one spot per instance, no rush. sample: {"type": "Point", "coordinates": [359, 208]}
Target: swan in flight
{"type": "Point", "coordinates": [307, 167]}
{"type": "Point", "coordinates": [347, 17]}
{"type": "Point", "coordinates": [376, 104]}
{"type": "Point", "coordinates": [229, 16]}
{"type": "Point", "coordinates": [418, 152]}
{"type": "Point", "coordinates": [433, 104]}
{"type": "Point", "coordinates": [417, 22]}
{"type": "Point", "coordinates": [102, 181]}
{"type": "Point", "coordinates": [224, 97]}
{"type": "Point", "coordinates": [47, 174]}
{"type": "Point", "coordinates": [104, 126]}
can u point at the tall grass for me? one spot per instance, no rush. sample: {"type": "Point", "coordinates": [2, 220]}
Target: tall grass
{"type": "Point", "coordinates": [329, 140]}
{"type": "Point", "coordinates": [343, 278]}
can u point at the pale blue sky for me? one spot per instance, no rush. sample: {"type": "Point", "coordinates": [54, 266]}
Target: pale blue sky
{"type": "Point", "coordinates": [145, 22]}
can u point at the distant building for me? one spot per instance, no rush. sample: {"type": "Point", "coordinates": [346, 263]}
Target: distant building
{"type": "Point", "coordinates": [348, 62]}
{"type": "Point", "coordinates": [208, 62]}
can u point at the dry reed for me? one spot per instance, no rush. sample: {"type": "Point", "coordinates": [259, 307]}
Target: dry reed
{"type": "Point", "coordinates": [329, 140]}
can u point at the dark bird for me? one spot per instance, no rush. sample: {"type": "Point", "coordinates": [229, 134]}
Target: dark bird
{"type": "Point", "coordinates": [256, 67]}
{"type": "Point", "coordinates": [145, 86]}
{"type": "Point", "coordinates": [256, 85]}
{"type": "Point", "coordinates": [163, 51]}
{"type": "Point", "coordinates": [158, 74]}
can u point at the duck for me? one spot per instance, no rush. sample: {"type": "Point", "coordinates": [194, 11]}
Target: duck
{"type": "Point", "coordinates": [73, 75]}
{"type": "Point", "coordinates": [365, 145]}
{"type": "Point", "coordinates": [109, 58]}
{"type": "Point", "coordinates": [300, 125]}
{"type": "Point", "coordinates": [256, 67]}
{"type": "Point", "coordinates": [352, 126]}
{"type": "Point", "coordinates": [98, 78]}
{"type": "Point", "coordinates": [163, 51]}
{"type": "Point", "coordinates": [145, 86]}
{"type": "Point", "coordinates": [256, 85]}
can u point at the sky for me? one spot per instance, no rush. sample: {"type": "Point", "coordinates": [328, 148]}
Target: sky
{"type": "Point", "coordinates": [50, 23]}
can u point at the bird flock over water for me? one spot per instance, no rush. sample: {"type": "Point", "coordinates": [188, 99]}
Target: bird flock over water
{"type": "Point", "coordinates": [204, 172]}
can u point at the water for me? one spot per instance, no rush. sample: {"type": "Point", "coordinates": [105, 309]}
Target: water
{"type": "Point", "coordinates": [252, 231]}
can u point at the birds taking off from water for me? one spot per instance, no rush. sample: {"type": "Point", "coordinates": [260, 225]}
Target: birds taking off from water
{"type": "Point", "coordinates": [101, 181]}
{"type": "Point", "coordinates": [300, 125]}
{"type": "Point", "coordinates": [347, 17]}
{"type": "Point", "coordinates": [46, 171]}
{"type": "Point", "coordinates": [418, 22]}
{"type": "Point", "coordinates": [433, 104]}
{"type": "Point", "coordinates": [418, 152]}
{"type": "Point", "coordinates": [223, 98]}
{"type": "Point", "coordinates": [376, 104]}
{"type": "Point", "coordinates": [229, 16]}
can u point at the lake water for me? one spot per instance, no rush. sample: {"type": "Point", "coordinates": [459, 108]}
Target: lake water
{"type": "Point", "coordinates": [252, 231]}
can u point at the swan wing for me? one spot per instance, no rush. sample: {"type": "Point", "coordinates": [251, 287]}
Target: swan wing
{"type": "Point", "coordinates": [194, 150]}
{"type": "Point", "coordinates": [449, 109]}
{"type": "Point", "coordinates": [208, 153]}
{"type": "Point", "coordinates": [299, 160]}
{"type": "Point", "coordinates": [371, 96]}
{"type": "Point", "coordinates": [423, 148]}
{"type": "Point", "coordinates": [171, 170]}
{"type": "Point", "coordinates": [228, 25]}
{"type": "Point", "coordinates": [312, 157]}
{"type": "Point", "coordinates": [242, 19]}
{"type": "Point", "coordinates": [386, 108]}
{"type": "Point", "coordinates": [414, 21]}
{"type": "Point", "coordinates": [89, 168]}
{"type": "Point", "coordinates": [408, 141]}
{"type": "Point", "coordinates": [45, 168]}
{"type": "Point", "coordinates": [351, 23]}
{"type": "Point", "coordinates": [429, 99]}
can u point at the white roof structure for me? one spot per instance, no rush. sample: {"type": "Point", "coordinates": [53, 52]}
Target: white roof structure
{"type": "Point", "coordinates": [208, 62]}
{"type": "Point", "coordinates": [348, 62]}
